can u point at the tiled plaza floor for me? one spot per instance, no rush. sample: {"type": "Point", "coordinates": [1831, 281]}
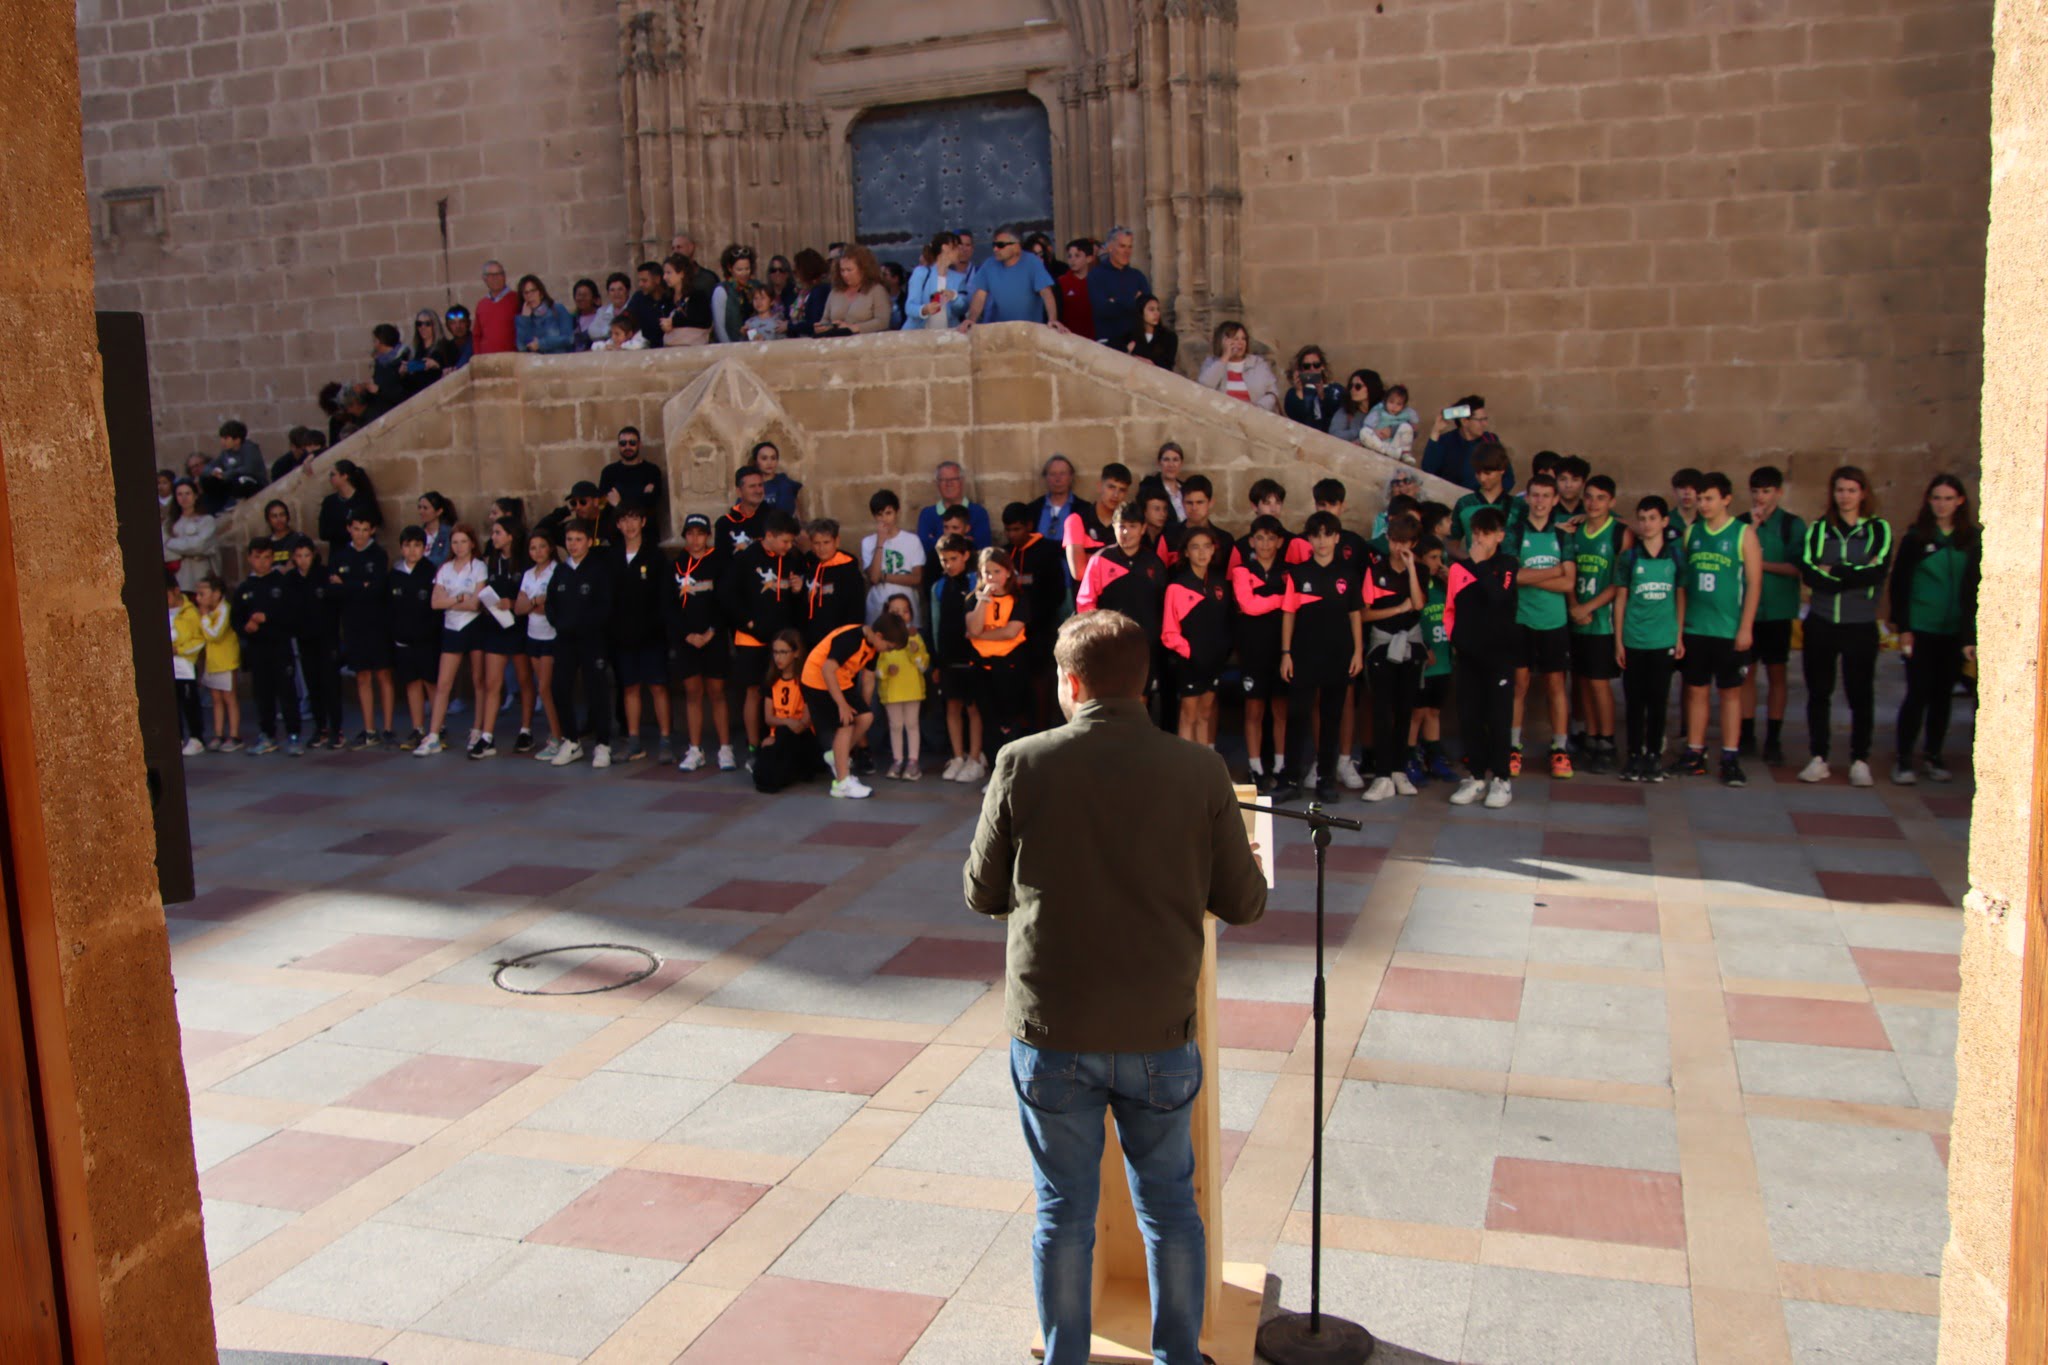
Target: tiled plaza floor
{"type": "Point", "coordinates": [1619, 1073]}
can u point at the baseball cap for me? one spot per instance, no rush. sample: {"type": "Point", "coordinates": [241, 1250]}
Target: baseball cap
{"type": "Point", "coordinates": [696, 521]}
{"type": "Point", "coordinates": [584, 489]}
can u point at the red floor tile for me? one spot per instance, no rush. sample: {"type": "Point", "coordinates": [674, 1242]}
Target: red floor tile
{"type": "Point", "coordinates": [525, 879]}
{"type": "Point", "coordinates": [1596, 848]}
{"type": "Point", "coordinates": [655, 772]}
{"type": "Point", "coordinates": [695, 803]}
{"type": "Point", "coordinates": [955, 959]}
{"type": "Point", "coordinates": [1596, 794]}
{"type": "Point", "coordinates": [369, 954]}
{"type": "Point", "coordinates": [776, 1321]}
{"type": "Point", "coordinates": [296, 1170]}
{"type": "Point", "coordinates": [200, 1043]}
{"type": "Point", "coordinates": [1230, 1144]}
{"type": "Point", "coordinates": [514, 793]}
{"type": "Point", "coordinates": [604, 970]}
{"type": "Point", "coordinates": [294, 803]}
{"type": "Point", "coordinates": [1587, 912]}
{"type": "Point", "coordinates": [1353, 859]}
{"type": "Point", "coordinates": [1879, 888]}
{"type": "Point", "coordinates": [1261, 1025]}
{"type": "Point", "coordinates": [225, 903]}
{"type": "Point", "coordinates": [387, 843]}
{"type": "Point", "coordinates": [814, 1061]}
{"type": "Point", "coordinates": [1289, 928]}
{"type": "Point", "coordinates": [649, 1213]}
{"type": "Point", "coordinates": [1789, 1019]}
{"type": "Point", "coordinates": [1822, 825]}
{"type": "Point", "coordinates": [1947, 805]}
{"type": "Point", "coordinates": [1594, 1203]}
{"type": "Point", "coordinates": [861, 834]}
{"type": "Point", "coordinates": [1463, 995]}
{"type": "Point", "coordinates": [761, 897]}
{"type": "Point", "coordinates": [1909, 971]}
{"type": "Point", "coordinates": [438, 1087]}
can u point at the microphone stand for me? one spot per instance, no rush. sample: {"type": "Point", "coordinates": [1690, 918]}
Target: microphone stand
{"type": "Point", "coordinates": [1312, 1338]}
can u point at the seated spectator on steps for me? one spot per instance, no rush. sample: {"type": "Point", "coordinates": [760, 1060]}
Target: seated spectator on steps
{"type": "Point", "coordinates": [1154, 341]}
{"type": "Point", "coordinates": [1311, 399]}
{"type": "Point", "coordinates": [1361, 391]}
{"type": "Point", "coordinates": [624, 335]}
{"type": "Point", "coordinates": [730, 304]}
{"type": "Point", "coordinates": [859, 304]}
{"type": "Point", "coordinates": [238, 471]}
{"type": "Point", "coordinates": [305, 443]}
{"type": "Point", "coordinates": [766, 322]}
{"type": "Point", "coordinates": [1454, 442]}
{"type": "Point", "coordinates": [387, 369]}
{"type": "Point", "coordinates": [543, 327]}
{"type": "Point", "coordinates": [1233, 371]}
{"type": "Point", "coordinates": [1390, 426]}
{"type": "Point", "coordinates": [497, 313]}
{"type": "Point", "coordinates": [813, 291]}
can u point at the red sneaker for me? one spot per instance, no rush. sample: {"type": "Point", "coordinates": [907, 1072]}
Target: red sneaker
{"type": "Point", "coordinates": [1515, 761]}
{"type": "Point", "coordinates": [1560, 763]}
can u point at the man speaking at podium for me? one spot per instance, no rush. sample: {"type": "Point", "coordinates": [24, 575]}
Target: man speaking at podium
{"type": "Point", "coordinates": [1103, 842]}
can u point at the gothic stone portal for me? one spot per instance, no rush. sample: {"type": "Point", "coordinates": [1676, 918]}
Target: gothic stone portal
{"type": "Point", "coordinates": [973, 163]}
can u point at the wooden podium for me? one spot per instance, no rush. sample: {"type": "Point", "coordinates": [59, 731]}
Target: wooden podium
{"type": "Point", "coordinates": [1236, 1290]}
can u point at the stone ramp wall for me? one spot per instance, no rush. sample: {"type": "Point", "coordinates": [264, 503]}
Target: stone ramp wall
{"type": "Point", "coordinates": [850, 416]}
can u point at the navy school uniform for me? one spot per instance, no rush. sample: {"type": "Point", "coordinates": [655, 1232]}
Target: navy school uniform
{"type": "Point", "coordinates": [267, 649]}
{"type": "Point", "coordinates": [318, 638]}
{"type": "Point", "coordinates": [365, 630]}
{"type": "Point", "coordinates": [642, 599]}
{"type": "Point", "coordinates": [579, 607]}
{"type": "Point", "coordinates": [837, 596]}
{"type": "Point", "coordinates": [1321, 598]}
{"type": "Point", "coordinates": [697, 580]}
{"type": "Point", "coordinates": [414, 625]}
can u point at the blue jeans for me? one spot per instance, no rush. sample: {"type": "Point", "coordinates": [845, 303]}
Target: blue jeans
{"type": "Point", "coordinates": [1062, 1096]}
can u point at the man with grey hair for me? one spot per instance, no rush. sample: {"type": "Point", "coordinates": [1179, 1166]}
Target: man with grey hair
{"type": "Point", "coordinates": [1115, 286]}
{"type": "Point", "coordinates": [1104, 954]}
{"type": "Point", "coordinates": [496, 326]}
{"type": "Point", "coordinates": [949, 480]}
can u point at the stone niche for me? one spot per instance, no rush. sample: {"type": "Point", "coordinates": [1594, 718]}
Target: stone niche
{"type": "Point", "coordinates": [850, 416]}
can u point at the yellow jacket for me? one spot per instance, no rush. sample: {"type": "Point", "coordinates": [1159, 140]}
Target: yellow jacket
{"type": "Point", "coordinates": [902, 671]}
{"type": "Point", "coordinates": [188, 637]}
{"type": "Point", "coordinates": [223, 646]}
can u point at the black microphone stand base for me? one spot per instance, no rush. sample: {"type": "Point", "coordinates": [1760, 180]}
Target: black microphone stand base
{"type": "Point", "coordinates": [1289, 1339]}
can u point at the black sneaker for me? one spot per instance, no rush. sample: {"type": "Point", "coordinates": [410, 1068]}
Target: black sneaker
{"type": "Point", "coordinates": [863, 762]}
{"type": "Point", "coordinates": [1265, 782]}
{"type": "Point", "coordinates": [363, 740]}
{"type": "Point", "coordinates": [1284, 790]}
{"type": "Point", "coordinates": [523, 744]}
{"type": "Point", "coordinates": [1746, 746]}
{"type": "Point", "coordinates": [412, 740]}
{"type": "Point", "coordinates": [1691, 763]}
{"type": "Point", "coordinates": [1598, 758]}
{"type": "Point", "coordinates": [1732, 774]}
{"type": "Point", "coordinates": [1328, 793]}
{"type": "Point", "coordinates": [390, 739]}
{"type": "Point", "coordinates": [1774, 754]}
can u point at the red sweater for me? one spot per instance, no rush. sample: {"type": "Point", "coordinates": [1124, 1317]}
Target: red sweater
{"type": "Point", "coordinates": [496, 325]}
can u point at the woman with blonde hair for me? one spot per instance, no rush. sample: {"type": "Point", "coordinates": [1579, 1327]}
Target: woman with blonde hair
{"type": "Point", "coordinates": [860, 300]}
{"type": "Point", "coordinates": [1233, 371]}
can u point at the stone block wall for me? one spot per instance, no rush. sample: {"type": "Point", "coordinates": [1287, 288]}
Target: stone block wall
{"type": "Point", "coordinates": [301, 148]}
{"type": "Point", "coordinates": [850, 416]}
{"type": "Point", "coordinates": [1658, 232]}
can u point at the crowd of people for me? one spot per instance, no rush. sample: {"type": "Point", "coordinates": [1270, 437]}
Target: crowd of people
{"type": "Point", "coordinates": [1347, 644]}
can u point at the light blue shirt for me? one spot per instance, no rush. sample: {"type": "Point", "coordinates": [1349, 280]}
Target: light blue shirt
{"type": "Point", "coordinates": [925, 282]}
{"type": "Point", "coordinates": [1013, 290]}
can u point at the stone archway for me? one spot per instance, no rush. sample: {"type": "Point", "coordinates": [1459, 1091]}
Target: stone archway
{"type": "Point", "coordinates": [735, 116]}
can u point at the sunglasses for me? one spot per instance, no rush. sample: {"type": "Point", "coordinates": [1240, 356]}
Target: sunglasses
{"type": "Point", "coordinates": [778, 270]}
{"type": "Point", "coordinates": [629, 445]}
{"type": "Point", "coordinates": [1008, 241]}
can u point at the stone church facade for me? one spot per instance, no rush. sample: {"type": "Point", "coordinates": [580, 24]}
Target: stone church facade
{"type": "Point", "coordinates": [1655, 231]}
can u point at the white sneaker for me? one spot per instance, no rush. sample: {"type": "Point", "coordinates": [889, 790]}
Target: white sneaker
{"type": "Point", "coordinates": [570, 752]}
{"type": "Point", "coordinates": [693, 759]}
{"type": "Point", "coordinates": [1470, 790]}
{"type": "Point", "coordinates": [972, 772]}
{"type": "Point", "coordinates": [1402, 786]}
{"type": "Point", "coordinates": [951, 773]}
{"type": "Point", "coordinates": [601, 756]}
{"type": "Point", "coordinates": [429, 746]}
{"type": "Point", "coordinates": [1859, 774]}
{"type": "Point", "coordinates": [548, 751]}
{"type": "Point", "coordinates": [1499, 793]}
{"type": "Point", "coordinates": [1816, 770]}
{"type": "Point", "coordinates": [1382, 788]}
{"type": "Point", "coordinates": [1256, 767]}
{"type": "Point", "coordinates": [1904, 776]}
{"type": "Point", "coordinates": [192, 746]}
{"type": "Point", "coordinates": [852, 788]}
{"type": "Point", "coordinates": [726, 762]}
{"type": "Point", "coordinates": [1347, 775]}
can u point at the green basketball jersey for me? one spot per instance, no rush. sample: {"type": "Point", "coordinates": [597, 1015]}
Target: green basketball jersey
{"type": "Point", "coordinates": [1539, 608]}
{"type": "Point", "coordinates": [1596, 553]}
{"type": "Point", "coordinates": [1780, 540]}
{"type": "Point", "coordinates": [1650, 582]}
{"type": "Point", "coordinates": [1713, 579]}
{"type": "Point", "coordinates": [1434, 595]}
{"type": "Point", "coordinates": [1461, 512]}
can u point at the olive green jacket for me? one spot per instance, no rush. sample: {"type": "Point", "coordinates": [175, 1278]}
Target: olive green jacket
{"type": "Point", "coordinates": [1103, 842]}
